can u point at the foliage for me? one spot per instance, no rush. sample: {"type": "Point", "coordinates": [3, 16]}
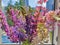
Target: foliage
{"type": "Point", "coordinates": [10, 22]}
{"type": "Point", "coordinates": [26, 43]}
{"type": "Point", "coordinates": [22, 26]}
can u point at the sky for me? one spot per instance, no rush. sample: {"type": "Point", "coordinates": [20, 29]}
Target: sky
{"type": "Point", "coordinates": [32, 3]}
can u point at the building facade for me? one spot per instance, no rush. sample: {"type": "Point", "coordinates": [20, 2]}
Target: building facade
{"type": "Point", "coordinates": [27, 2]}
{"type": "Point", "coordinates": [50, 5]}
{"type": "Point", "coordinates": [57, 6]}
{"type": "Point", "coordinates": [0, 2]}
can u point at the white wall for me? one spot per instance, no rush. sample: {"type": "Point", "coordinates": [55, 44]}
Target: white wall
{"type": "Point", "coordinates": [55, 33]}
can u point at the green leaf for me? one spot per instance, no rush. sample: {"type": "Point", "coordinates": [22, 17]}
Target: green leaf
{"type": "Point", "coordinates": [10, 22]}
{"type": "Point", "coordinates": [26, 43]}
